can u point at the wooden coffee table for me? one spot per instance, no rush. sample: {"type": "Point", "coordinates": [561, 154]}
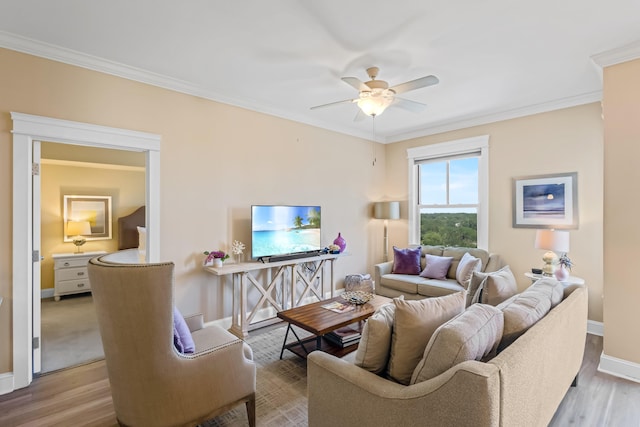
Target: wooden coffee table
{"type": "Point", "coordinates": [320, 321]}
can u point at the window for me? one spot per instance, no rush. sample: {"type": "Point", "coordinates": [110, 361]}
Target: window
{"type": "Point", "coordinates": [448, 193]}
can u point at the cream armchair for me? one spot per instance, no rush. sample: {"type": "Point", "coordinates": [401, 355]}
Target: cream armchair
{"type": "Point", "coordinates": [152, 384]}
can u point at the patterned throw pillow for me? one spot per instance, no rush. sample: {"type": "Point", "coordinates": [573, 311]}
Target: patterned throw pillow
{"type": "Point", "coordinates": [406, 261]}
{"type": "Point", "coordinates": [437, 267]}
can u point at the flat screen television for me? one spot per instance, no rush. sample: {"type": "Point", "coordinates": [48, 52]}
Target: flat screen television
{"type": "Point", "coordinates": [279, 230]}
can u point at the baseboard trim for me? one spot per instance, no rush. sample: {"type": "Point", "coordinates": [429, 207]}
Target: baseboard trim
{"type": "Point", "coordinates": [619, 368]}
{"type": "Point", "coordinates": [6, 383]}
{"type": "Point", "coordinates": [595, 328]}
{"type": "Point", "coordinates": [46, 293]}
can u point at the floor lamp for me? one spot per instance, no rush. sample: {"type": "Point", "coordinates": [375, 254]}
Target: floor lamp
{"type": "Point", "coordinates": [386, 211]}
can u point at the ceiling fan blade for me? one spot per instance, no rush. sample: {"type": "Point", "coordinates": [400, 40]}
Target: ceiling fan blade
{"type": "Point", "coordinates": [356, 83]}
{"type": "Point", "coordinates": [334, 103]}
{"type": "Point", "coordinates": [360, 116]}
{"type": "Point", "coordinates": [407, 104]}
{"type": "Point", "coordinates": [415, 84]}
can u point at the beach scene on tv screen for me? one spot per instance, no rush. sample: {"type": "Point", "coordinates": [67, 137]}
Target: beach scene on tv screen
{"type": "Point", "coordinates": [285, 229]}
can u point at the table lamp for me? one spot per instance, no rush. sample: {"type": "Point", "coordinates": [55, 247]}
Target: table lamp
{"type": "Point", "coordinates": [553, 241]}
{"type": "Point", "coordinates": [78, 229]}
{"type": "Point", "coordinates": [386, 211]}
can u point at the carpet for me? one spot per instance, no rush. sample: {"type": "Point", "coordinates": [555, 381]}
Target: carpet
{"type": "Point", "coordinates": [69, 332]}
{"type": "Point", "coordinates": [281, 385]}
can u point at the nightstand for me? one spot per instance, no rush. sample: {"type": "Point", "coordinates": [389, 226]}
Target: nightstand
{"type": "Point", "coordinates": [70, 273]}
{"type": "Point", "coordinates": [571, 280]}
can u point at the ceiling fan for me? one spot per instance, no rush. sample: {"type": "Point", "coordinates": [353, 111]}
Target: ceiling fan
{"type": "Point", "coordinates": [376, 95]}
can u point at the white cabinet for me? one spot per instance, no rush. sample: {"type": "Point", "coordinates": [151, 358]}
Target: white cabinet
{"type": "Point", "coordinates": [70, 273]}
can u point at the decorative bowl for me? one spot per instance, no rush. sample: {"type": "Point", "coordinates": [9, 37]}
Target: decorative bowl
{"type": "Point", "coordinates": [357, 297]}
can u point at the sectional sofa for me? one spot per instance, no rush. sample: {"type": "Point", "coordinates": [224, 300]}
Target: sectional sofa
{"type": "Point", "coordinates": [521, 386]}
{"type": "Point", "coordinates": [390, 284]}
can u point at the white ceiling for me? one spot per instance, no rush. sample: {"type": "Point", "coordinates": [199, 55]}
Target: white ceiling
{"type": "Point", "coordinates": [495, 59]}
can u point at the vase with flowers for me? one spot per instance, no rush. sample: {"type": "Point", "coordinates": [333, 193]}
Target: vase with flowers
{"type": "Point", "coordinates": [562, 273]}
{"type": "Point", "coordinates": [215, 258]}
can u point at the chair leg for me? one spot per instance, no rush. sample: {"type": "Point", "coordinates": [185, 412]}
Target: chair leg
{"type": "Point", "coordinates": [251, 411]}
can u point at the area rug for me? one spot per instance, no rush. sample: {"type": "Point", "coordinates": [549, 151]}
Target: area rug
{"type": "Point", "coordinates": [281, 385]}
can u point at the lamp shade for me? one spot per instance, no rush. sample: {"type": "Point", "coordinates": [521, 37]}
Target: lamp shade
{"type": "Point", "coordinates": [552, 240]}
{"type": "Point", "coordinates": [386, 210]}
{"type": "Point", "coordinates": [373, 103]}
{"type": "Point", "coordinates": [78, 228]}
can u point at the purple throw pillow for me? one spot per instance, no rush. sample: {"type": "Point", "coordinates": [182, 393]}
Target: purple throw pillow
{"type": "Point", "coordinates": [182, 338]}
{"type": "Point", "coordinates": [406, 261]}
{"type": "Point", "coordinates": [437, 266]}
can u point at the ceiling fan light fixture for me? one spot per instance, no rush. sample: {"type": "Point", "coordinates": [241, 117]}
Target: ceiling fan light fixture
{"type": "Point", "coordinates": [373, 103]}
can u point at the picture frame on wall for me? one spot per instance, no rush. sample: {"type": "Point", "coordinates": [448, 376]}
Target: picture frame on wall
{"type": "Point", "coordinates": [546, 201]}
{"type": "Point", "coordinates": [94, 209]}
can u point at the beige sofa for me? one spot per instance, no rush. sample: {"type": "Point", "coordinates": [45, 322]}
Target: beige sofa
{"type": "Point", "coordinates": [393, 285]}
{"type": "Point", "coordinates": [522, 386]}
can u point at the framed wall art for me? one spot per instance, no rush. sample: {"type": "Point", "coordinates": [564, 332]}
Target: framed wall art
{"type": "Point", "coordinates": [546, 201]}
{"type": "Point", "coordinates": [94, 209]}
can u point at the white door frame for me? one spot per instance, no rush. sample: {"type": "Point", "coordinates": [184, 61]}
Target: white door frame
{"type": "Point", "coordinates": [26, 129]}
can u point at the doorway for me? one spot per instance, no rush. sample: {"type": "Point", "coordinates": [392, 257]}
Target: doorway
{"type": "Point", "coordinates": [68, 324]}
{"type": "Point", "coordinates": [27, 131]}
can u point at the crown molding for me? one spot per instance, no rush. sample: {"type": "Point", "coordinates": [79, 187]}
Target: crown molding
{"type": "Point", "coordinates": [72, 57]}
{"type": "Point", "coordinates": [625, 53]}
{"type": "Point", "coordinates": [498, 116]}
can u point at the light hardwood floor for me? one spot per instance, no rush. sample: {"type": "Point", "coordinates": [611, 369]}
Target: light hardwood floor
{"type": "Point", "coordinates": [81, 397]}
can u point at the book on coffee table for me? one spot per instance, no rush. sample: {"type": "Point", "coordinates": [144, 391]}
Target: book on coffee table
{"type": "Point", "coordinates": [339, 307]}
{"type": "Point", "coordinates": [345, 336]}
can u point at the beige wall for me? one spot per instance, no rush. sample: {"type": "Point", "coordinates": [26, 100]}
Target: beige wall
{"type": "Point", "coordinates": [127, 191]}
{"type": "Point", "coordinates": [568, 140]}
{"type": "Point", "coordinates": [216, 160]}
{"type": "Point", "coordinates": [622, 148]}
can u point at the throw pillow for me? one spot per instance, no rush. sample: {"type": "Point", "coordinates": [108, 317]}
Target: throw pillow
{"type": "Point", "coordinates": [497, 286]}
{"type": "Point", "coordinates": [437, 266]}
{"type": "Point", "coordinates": [491, 287]}
{"type": "Point", "coordinates": [142, 238]}
{"type": "Point", "coordinates": [375, 342]}
{"type": "Point", "coordinates": [415, 321]}
{"type": "Point", "coordinates": [406, 261]}
{"type": "Point", "coordinates": [473, 335]}
{"type": "Point", "coordinates": [182, 338]}
{"type": "Point", "coordinates": [521, 312]}
{"type": "Point", "coordinates": [468, 264]}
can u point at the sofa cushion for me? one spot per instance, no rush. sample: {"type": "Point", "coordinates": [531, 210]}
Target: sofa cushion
{"type": "Point", "coordinates": [415, 322]}
{"type": "Point", "coordinates": [458, 253]}
{"type": "Point", "coordinates": [375, 343]}
{"type": "Point", "coordinates": [522, 311]}
{"type": "Point", "coordinates": [494, 287]}
{"type": "Point", "coordinates": [437, 267]}
{"type": "Point", "coordinates": [430, 250]}
{"type": "Point", "coordinates": [467, 265]}
{"type": "Point", "coordinates": [437, 287]}
{"type": "Point", "coordinates": [473, 335]}
{"type": "Point", "coordinates": [551, 287]}
{"type": "Point", "coordinates": [406, 261]}
{"type": "Point", "coordinates": [402, 282]}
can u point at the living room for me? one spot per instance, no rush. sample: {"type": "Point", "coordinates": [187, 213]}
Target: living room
{"type": "Point", "coordinates": [217, 160]}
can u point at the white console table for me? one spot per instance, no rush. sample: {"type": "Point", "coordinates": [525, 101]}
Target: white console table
{"type": "Point", "coordinates": [246, 274]}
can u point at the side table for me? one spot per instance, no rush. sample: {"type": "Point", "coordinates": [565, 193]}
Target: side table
{"type": "Point", "coordinates": [571, 280]}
